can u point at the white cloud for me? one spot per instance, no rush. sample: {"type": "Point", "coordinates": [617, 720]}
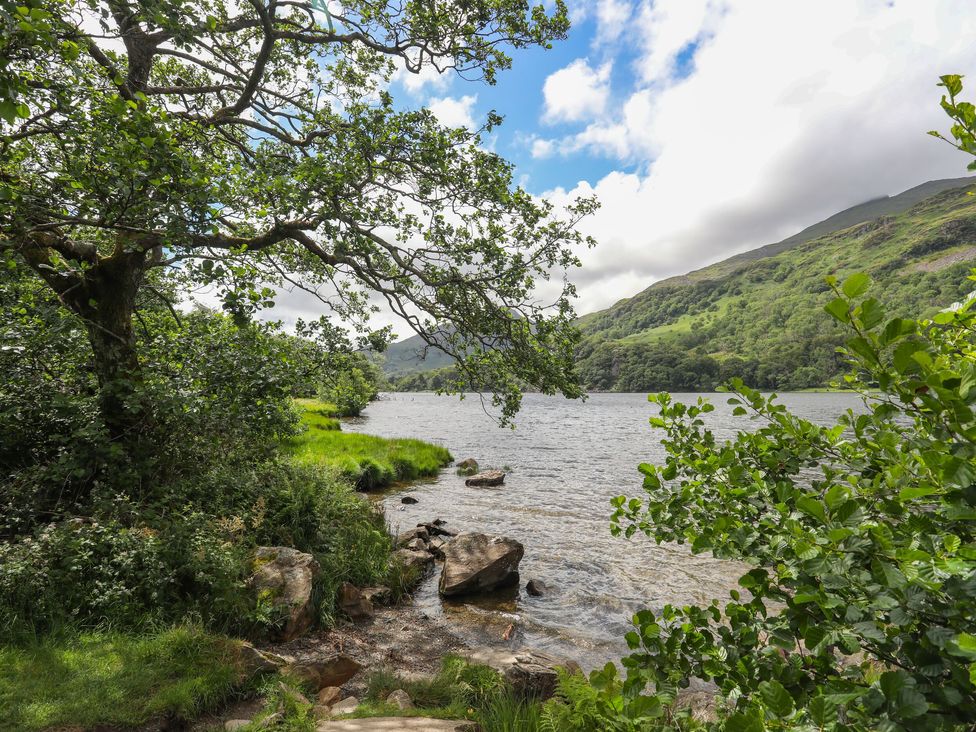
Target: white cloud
{"type": "Point", "coordinates": [542, 148]}
{"type": "Point", "coordinates": [576, 92]}
{"type": "Point", "coordinates": [792, 111]}
{"type": "Point", "coordinates": [418, 83]}
{"type": "Point", "coordinates": [611, 19]}
{"type": "Point", "coordinates": [454, 112]}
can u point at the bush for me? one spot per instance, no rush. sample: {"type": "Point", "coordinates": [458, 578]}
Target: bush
{"type": "Point", "coordinates": [860, 611]}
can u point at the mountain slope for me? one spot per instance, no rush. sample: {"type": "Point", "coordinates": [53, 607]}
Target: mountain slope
{"type": "Point", "coordinates": [760, 315]}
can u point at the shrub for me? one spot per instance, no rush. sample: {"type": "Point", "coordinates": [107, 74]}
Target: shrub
{"type": "Point", "coordinates": [860, 611]}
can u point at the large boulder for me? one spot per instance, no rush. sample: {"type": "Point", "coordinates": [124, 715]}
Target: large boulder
{"type": "Point", "coordinates": [479, 563]}
{"type": "Point", "coordinates": [284, 577]}
{"type": "Point", "coordinates": [487, 478]}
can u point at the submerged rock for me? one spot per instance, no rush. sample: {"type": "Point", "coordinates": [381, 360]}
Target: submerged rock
{"type": "Point", "coordinates": [409, 500]}
{"type": "Point", "coordinates": [467, 467]}
{"type": "Point", "coordinates": [536, 588]}
{"type": "Point", "coordinates": [487, 478]}
{"type": "Point", "coordinates": [284, 576]}
{"type": "Point", "coordinates": [479, 563]}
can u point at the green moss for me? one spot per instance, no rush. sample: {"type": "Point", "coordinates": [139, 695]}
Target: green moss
{"type": "Point", "coordinates": [368, 461]}
{"type": "Point", "coordinates": [103, 678]}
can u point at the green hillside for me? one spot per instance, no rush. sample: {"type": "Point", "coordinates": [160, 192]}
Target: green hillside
{"type": "Point", "coordinates": [760, 315]}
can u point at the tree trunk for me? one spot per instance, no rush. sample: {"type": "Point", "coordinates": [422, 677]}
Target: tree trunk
{"type": "Point", "coordinates": [112, 289]}
{"type": "Point", "coordinates": [103, 293]}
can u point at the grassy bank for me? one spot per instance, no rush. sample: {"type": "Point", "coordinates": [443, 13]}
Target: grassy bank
{"type": "Point", "coordinates": [106, 678]}
{"type": "Point", "coordinates": [370, 462]}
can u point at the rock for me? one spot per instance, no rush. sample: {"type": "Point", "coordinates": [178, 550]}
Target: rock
{"type": "Point", "coordinates": [417, 545]}
{"type": "Point", "coordinates": [413, 560]}
{"type": "Point", "coordinates": [321, 711]}
{"type": "Point", "coordinates": [378, 595]}
{"type": "Point", "coordinates": [436, 547]}
{"type": "Point", "coordinates": [285, 576]}
{"type": "Point", "coordinates": [406, 537]}
{"type": "Point", "coordinates": [487, 478]}
{"type": "Point", "coordinates": [352, 602]}
{"type": "Point", "coordinates": [536, 588]}
{"type": "Point", "coordinates": [397, 724]}
{"type": "Point", "coordinates": [479, 563]}
{"type": "Point", "coordinates": [399, 699]}
{"type": "Point", "coordinates": [332, 671]}
{"type": "Point", "coordinates": [467, 467]}
{"type": "Point", "coordinates": [409, 500]}
{"type": "Point", "coordinates": [346, 706]}
{"type": "Point", "coordinates": [531, 673]}
{"type": "Point", "coordinates": [255, 661]}
{"type": "Point", "coordinates": [232, 725]}
{"type": "Point", "coordinates": [436, 528]}
{"type": "Point", "coordinates": [329, 695]}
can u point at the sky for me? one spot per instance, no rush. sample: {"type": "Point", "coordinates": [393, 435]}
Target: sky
{"type": "Point", "coordinates": [710, 127]}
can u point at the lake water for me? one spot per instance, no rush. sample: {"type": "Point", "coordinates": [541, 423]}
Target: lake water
{"type": "Point", "coordinates": [564, 461]}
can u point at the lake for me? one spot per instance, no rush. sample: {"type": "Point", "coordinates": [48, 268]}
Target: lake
{"type": "Point", "coordinates": [564, 461]}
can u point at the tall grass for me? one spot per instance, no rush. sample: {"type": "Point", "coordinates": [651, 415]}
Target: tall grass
{"type": "Point", "coordinates": [368, 461]}
{"type": "Point", "coordinates": [87, 679]}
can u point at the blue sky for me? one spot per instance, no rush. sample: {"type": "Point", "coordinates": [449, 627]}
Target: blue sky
{"type": "Point", "coordinates": [710, 127]}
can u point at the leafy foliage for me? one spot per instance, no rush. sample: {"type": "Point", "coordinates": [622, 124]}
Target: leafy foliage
{"type": "Point", "coordinates": [859, 613]}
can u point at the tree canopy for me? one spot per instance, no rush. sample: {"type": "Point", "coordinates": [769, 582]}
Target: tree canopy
{"type": "Point", "coordinates": [256, 145]}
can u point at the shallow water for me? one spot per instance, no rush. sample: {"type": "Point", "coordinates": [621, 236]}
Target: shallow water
{"type": "Point", "coordinates": [564, 461]}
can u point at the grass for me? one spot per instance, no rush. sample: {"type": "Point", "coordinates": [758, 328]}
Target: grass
{"type": "Point", "coordinates": [106, 678]}
{"type": "Point", "coordinates": [368, 461]}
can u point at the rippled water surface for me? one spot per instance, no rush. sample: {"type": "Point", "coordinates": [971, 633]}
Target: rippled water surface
{"type": "Point", "coordinates": [564, 461]}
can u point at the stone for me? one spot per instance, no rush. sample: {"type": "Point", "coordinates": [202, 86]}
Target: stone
{"type": "Point", "coordinates": [412, 560]}
{"type": "Point", "coordinates": [409, 500]}
{"type": "Point", "coordinates": [321, 711]}
{"type": "Point", "coordinates": [487, 478]}
{"type": "Point", "coordinates": [407, 536]}
{"type": "Point", "coordinates": [436, 528]}
{"type": "Point", "coordinates": [468, 466]}
{"type": "Point", "coordinates": [378, 595]}
{"type": "Point", "coordinates": [530, 673]}
{"type": "Point", "coordinates": [329, 695]}
{"type": "Point", "coordinates": [397, 724]}
{"type": "Point", "coordinates": [232, 725]}
{"type": "Point", "coordinates": [436, 547]}
{"type": "Point", "coordinates": [417, 545]}
{"type": "Point", "coordinates": [400, 699]}
{"type": "Point", "coordinates": [332, 671]}
{"type": "Point", "coordinates": [536, 588]}
{"type": "Point", "coordinates": [285, 576]}
{"type": "Point", "coordinates": [255, 661]}
{"type": "Point", "coordinates": [353, 603]}
{"type": "Point", "coordinates": [479, 563]}
{"type": "Point", "coordinates": [346, 706]}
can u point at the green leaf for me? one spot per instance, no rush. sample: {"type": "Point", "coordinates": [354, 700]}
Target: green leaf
{"type": "Point", "coordinates": [856, 285]}
{"type": "Point", "coordinates": [776, 698]}
{"type": "Point", "coordinates": [840, 309]}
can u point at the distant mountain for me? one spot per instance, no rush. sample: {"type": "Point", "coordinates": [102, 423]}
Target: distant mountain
{"type": "Point", "coordinates": [759, 314]}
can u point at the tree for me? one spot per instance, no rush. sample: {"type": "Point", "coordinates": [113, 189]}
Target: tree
{"type": "Point", "coordinates": [255, 145]}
